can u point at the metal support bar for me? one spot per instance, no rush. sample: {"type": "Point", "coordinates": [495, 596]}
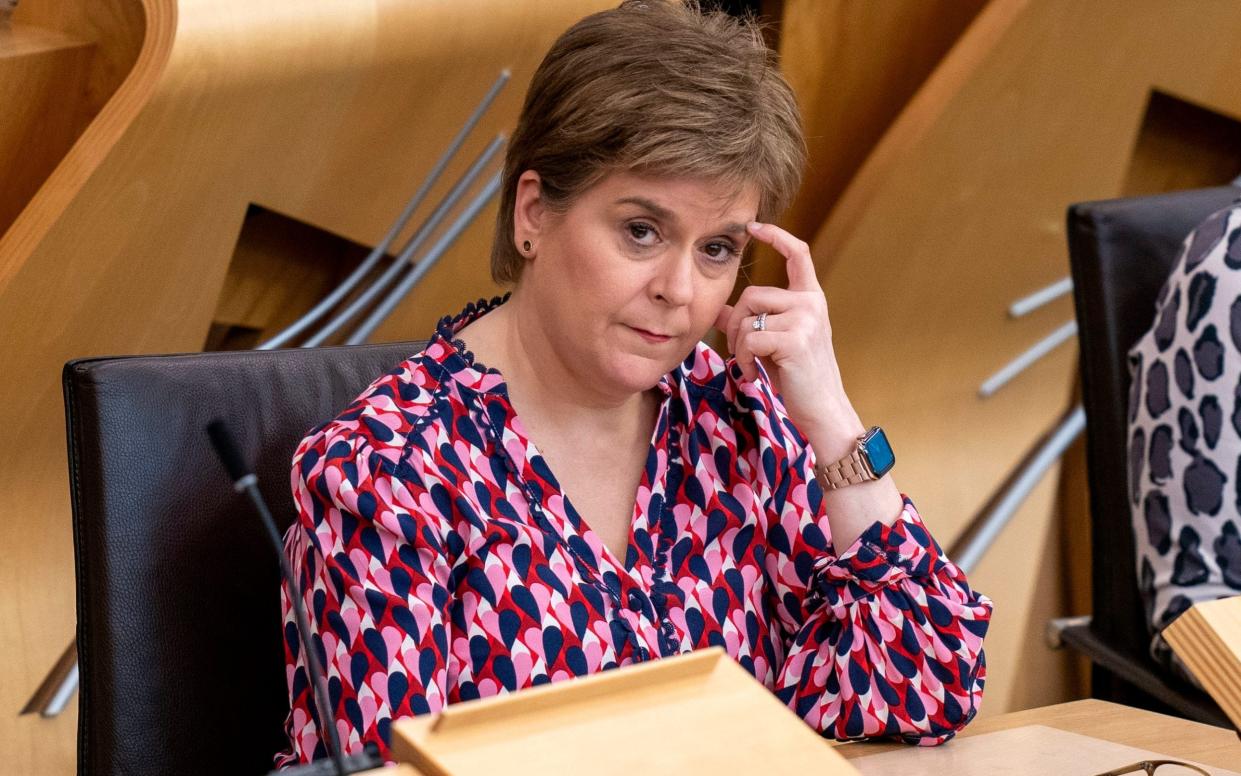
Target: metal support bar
{"type": "Point", "coordinates": [385, 308]}
{"type": "Point", "coordinates": [406, 255]}
{"type": "Point", "coordinates": [983, 530]}
{"type": "Point", "coordinates": [64, 692]}
{"type": "Point", "coordinates": [58, 687]}
{"type": "Point", "coordinates": [1024, 361]}
{"type": "Point", "coordinates": [1054, 635]}
{"type": "Point", "coordinates": [380, 250]}
{"type": "Point", "coordinates": [1030, 303]}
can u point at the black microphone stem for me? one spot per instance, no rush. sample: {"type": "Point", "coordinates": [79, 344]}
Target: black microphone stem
{"type": "Point", "coordinates": [245, 481]}
{"type": "Point", "coordinates": [327, 720]}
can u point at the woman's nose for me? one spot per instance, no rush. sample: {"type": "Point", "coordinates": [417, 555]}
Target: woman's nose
{"type": "Point", "coordinates": [674, 282]}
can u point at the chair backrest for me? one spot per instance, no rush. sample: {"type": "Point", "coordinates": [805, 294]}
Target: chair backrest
{"type": "Point", "coordinates": [1121, 251]}
{"type": "Point", "coordinates": [179, 631]}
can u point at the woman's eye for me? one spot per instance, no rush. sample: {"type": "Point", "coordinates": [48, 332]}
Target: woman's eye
{"type": "Point", "coordinates": [644, 236]}
{"type": "Point", "coordinates": [640, 231]}
{"type": "Point", "coordinates": [721, 252]}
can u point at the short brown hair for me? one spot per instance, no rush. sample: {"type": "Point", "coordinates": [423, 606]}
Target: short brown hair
{"type": "Point", "coordinates": [656, 87]}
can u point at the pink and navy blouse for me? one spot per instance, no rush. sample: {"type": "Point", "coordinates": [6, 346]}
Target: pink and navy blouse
{"type": "Point", "coordinates": [441, 562]}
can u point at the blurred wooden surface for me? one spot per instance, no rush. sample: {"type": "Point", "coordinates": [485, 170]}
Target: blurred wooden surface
{"type": "Point", "coordinates": [957, 212]}
{"type": "Point", "coordinates": [854, 66]}
{"type": "Point", "coordinates": [36, 67]}
{"type": "Point", "coordinates": [115, 30]}
{"type": "Point", "coordinates": [59, 63]}
{"type": "Point", "coordinates": [280, 268]}
{"type": "Point", "coordinates": [688, 712]}
{"type": "Point", "coordinates": [1172, 736]}
{"type": "Point", "coordinates": [326, 111]}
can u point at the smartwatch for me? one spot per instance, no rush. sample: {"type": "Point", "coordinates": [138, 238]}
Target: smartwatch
{"type": "Point", "coordinates": [870, 460]}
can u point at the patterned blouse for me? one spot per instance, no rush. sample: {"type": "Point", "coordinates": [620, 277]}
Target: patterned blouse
{"type": "Point", "coordinates": [442, 562]}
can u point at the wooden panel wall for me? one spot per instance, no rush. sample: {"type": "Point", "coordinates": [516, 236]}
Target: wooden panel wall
{"type": "Point", "coordinates": [854, 66]}
{"type": "Point", "coordinates": [328, 111]}
{"type": "Point", "coordinates": [114, 28]}
{"type": "Point", "coordinates": [39, 125]}
{"type": "Point", "coordinates": [960, 210]}
{"type": "Point", "coordinates": [59, 63]}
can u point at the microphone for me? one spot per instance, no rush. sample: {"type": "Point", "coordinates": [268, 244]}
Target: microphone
{"type": "Point", "coordinates": [245, 481]}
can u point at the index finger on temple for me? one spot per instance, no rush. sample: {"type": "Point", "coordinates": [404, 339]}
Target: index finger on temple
{"type": "Point", "coordinates": [799, 264]}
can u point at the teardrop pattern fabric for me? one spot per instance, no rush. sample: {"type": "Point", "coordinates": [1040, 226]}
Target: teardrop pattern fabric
{"type": "Point", "coordinates": [441, 562]}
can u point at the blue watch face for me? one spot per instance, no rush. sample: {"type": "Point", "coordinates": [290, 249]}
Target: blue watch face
{"type": "Point", "coordinates": [878, 452]}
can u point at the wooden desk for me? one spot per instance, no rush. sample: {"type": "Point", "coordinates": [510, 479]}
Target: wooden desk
{"type": "Point", "coordinates": [1168, 735]}
{"type": "Point", "coordinates": [1110, 721]}
{"type": "Point", "coordinates": [1172, 736]}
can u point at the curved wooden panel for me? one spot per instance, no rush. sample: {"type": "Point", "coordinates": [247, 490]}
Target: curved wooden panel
{"type": "Point", "coordinates": [960, 210]}
{"type": "Point", "coordinates": [854, 66]}
{"type": "Point", "coordinates": [60, 62]}
{"type": "Point", "coordinates": [115, 28]}
{"type": "Point", "coordinates": [327, 111]}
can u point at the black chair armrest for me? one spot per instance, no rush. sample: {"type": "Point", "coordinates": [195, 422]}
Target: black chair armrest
{"type": "Point", "coordinates": [1144, 673]}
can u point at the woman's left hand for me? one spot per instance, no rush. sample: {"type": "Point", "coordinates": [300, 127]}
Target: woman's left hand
{"type": "Point", "coordinates": [795, 345]}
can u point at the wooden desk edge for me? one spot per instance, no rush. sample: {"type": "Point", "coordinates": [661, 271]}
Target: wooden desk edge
{"type": "Point", "coordinates": [1172, 736]}
{"type": "Point", "coordinates": [1113, 722]}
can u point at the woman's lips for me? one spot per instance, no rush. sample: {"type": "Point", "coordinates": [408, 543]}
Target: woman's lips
{"type": "Point", "coordinates": [651, 336]}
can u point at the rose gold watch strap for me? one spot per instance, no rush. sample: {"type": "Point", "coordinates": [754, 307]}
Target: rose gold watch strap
{"type": "Point", "coordinates": [850, 470]}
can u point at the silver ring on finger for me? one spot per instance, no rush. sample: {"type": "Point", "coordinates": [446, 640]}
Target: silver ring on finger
{"type": "Point", "coordinates": [760, 323]}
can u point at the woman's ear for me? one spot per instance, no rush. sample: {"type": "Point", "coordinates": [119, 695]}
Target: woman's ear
{"type": "Point", "coordinates": [529, 213]}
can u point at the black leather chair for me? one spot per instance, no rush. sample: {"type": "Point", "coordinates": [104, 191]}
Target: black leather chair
{"type": "Point", "coordinates": [179, 631]}
{"type": "Point", "coordinates": [1121, 252]}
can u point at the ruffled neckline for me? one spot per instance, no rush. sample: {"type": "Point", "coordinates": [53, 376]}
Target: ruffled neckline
{"type": "Point", "coordinates": [448, 327]}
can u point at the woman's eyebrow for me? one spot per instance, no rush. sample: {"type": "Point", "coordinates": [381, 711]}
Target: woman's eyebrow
{"type": "Point", "coordinates": [665, 214]}
{"type": "Point", "coordinates": [658, 210]}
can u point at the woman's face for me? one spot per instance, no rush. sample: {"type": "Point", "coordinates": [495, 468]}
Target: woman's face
{"type": "Point", "coordinates": [633, 274]}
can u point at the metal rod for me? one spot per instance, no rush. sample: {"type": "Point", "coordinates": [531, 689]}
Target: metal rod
{"type": "Point", "coordinates": [333, 298]}
{"type": "Point", "coordinates": [399, 263]}
{"type": "Point", "coordinates": [416, 272]}
{"type": "Point", "coordinates": [54, 692]}
{"type": "Point", "coordinates": [984, 529]}
{"type": "Point", "coordinates": [1023, 362]}
{"type": "Point", "coordinates": [64, 691]}
{"type": "Point", "coordinates": [1053, 634]}
{"type": "Point", "coordinates": [1030, 303]}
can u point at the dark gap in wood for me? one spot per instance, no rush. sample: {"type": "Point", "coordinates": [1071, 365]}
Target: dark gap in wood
{"type": "Point", "coordinates": [282, 267]}
{"type": "Point", "coordinates": [1182, 145]}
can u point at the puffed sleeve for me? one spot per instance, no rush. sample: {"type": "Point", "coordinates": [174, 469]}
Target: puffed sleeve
{"type": "Point", "coordinates": [373, 569]}
{"type": "Point", "coordinates": [884, 638]}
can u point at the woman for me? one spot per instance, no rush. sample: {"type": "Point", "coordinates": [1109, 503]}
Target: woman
{"type": "Point", "coordinates": [1185, 433]}
{"type": "Point", "coordinates": [567, 480]}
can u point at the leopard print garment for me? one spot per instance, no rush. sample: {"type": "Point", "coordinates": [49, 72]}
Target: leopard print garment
{"type": "Point", "coordinates": [1185, 430]}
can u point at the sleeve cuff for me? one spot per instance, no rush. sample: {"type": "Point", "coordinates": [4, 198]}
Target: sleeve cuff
{"type": "Point", "coordinates": [881, 556]}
